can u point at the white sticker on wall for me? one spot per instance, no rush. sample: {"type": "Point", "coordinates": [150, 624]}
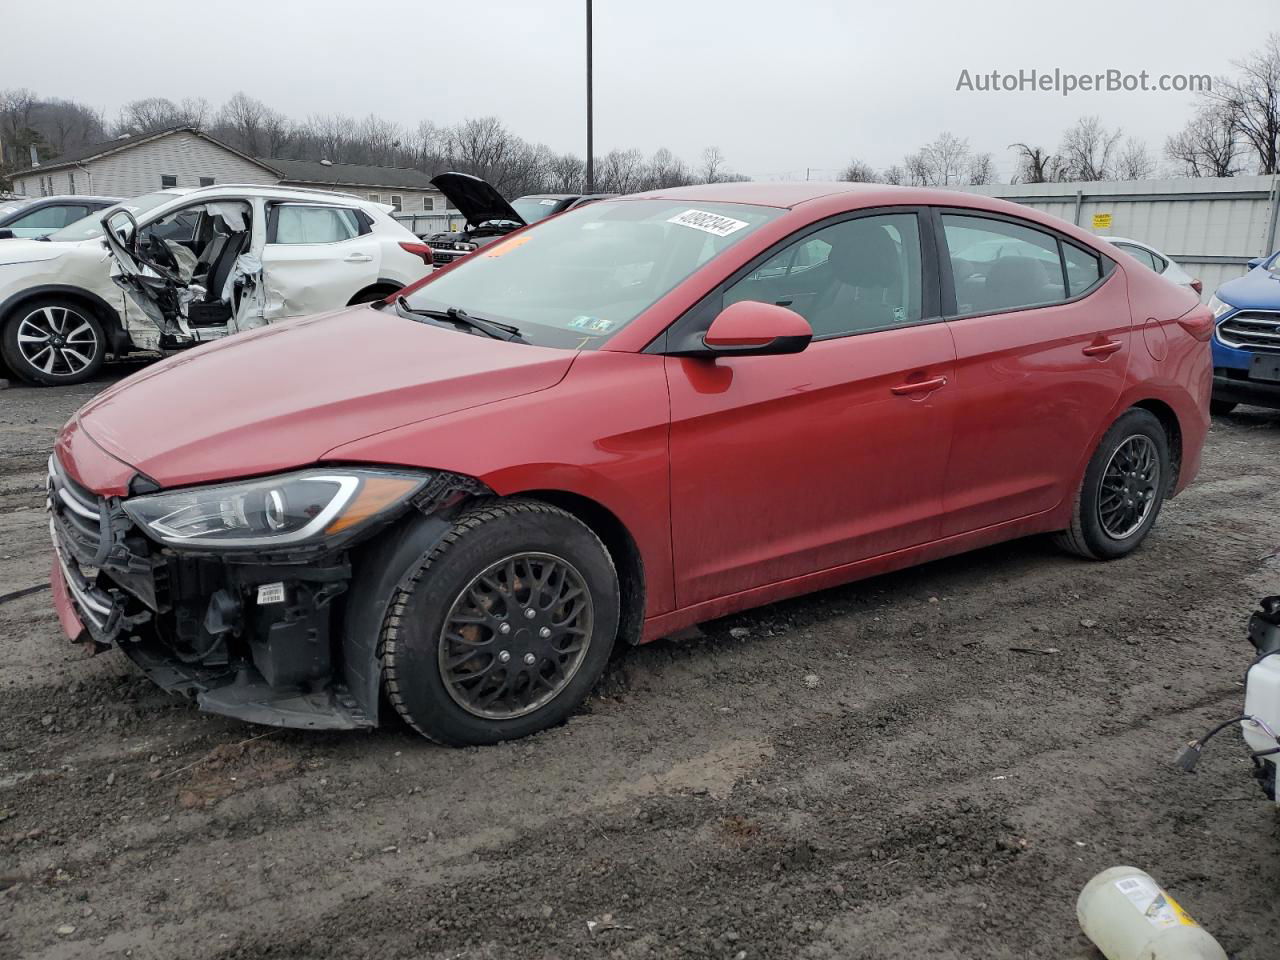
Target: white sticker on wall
{"type": "Point", "coordinates": [270, 593]}
{"type": "Point", "coordinates": [712, 223]}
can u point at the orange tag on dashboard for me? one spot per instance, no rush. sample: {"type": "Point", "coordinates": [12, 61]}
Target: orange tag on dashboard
{"type": "Point", "coordinates": [506, 246]}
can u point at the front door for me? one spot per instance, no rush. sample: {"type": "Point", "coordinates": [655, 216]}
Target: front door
{"type": "Point", "coordinates": [1041, 329]}
{"type": "Point", "coordinates": [787, 465]}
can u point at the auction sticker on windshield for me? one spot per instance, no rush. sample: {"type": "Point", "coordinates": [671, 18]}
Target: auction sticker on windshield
{"type": "Point", "coordinates": [712, 223]}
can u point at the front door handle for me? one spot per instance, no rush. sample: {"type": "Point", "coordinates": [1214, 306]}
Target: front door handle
{"type": "Point", "coordinates": [358, 258]}
{"type": "Point", "coordinates": [918, 386]}
{"type": "Point", "coordinates": [1103, 349]}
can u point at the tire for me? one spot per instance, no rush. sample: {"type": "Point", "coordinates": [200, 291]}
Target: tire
{"type": "Point", "coordinates": [76, 343]}
{"type": "Point", "coordinates": [1220, 408]}
{"type": "Point", "coordinates": [371, 295]}
{"type": "Point", "coordinates": [438, 680]}
{"type": "Point", "coordinates": [1105, 527]}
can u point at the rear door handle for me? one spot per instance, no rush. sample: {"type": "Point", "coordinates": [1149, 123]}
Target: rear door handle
{"type": "Point", "coordinates": [358, 258]}
{"type": "Point", "coordinates": [918, 386]}
{"type": "Point", "coordinates": [1103, 349]}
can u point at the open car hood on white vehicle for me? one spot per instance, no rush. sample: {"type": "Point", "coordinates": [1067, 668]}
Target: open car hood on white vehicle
{"type": "Point", "coordinates": [30, 251]}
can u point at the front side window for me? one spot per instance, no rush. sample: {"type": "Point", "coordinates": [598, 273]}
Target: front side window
{"type": "Point", "coordinates": [46, 219]}
{"type": "Point", "coordinates": [998, 265]}
{"type": "Point", "coordinates": [575, 280]}
{"type": "Point", "coordinates": [307, 224]}
{"type": "Point", "coordinates": [851, 277]}
{"type": "Point", "coordinates": [90, 226]}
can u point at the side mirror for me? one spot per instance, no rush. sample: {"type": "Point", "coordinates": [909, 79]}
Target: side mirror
{"type": "Point", "coordinates": [1256, 262]}
{"type": "Point", "coordinates": [750, 328]}
{"type": "Point", "coordinates": [6, 234]}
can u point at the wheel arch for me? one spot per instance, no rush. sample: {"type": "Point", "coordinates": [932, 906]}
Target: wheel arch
{"type": "Point", "coordinates": [622, 547]}
{"type": "Point", "coordinates": [109, 316]}
{"type": "Point", "coordinates": [1168, 418]}
{"type": "Point", "coordinates": [380, 289]}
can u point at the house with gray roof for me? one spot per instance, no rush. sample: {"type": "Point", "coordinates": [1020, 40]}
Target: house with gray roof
{"type": "Point", "coordinates": [186, 157]}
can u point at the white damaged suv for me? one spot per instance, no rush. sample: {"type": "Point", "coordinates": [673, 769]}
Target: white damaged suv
{"type": "Point", "coordinates": [182, 266]}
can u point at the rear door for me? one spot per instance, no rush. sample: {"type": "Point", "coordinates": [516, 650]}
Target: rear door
{"type": "Point", "coordinates": [1042, 334]}
{"type": "Point", "coordinates": [317, 257]}
{"type": "Point", "coordinates": [788, 465]}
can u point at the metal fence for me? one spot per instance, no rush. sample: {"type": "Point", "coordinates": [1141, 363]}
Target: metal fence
{"type": "Point", "coordinates": [1211, 225]}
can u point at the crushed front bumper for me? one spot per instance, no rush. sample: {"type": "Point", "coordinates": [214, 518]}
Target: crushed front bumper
{"type": "Point", "coordinates": [192, 626]}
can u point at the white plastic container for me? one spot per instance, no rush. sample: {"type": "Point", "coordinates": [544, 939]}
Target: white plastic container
{"type": "Point", "coordinates": [1262, 700]}
{"type": "Point", "coordinates": [1129, 917]}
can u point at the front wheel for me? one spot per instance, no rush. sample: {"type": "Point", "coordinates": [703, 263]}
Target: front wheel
{"type": "Point", "coordinates": [504, 628]}
{"type": "Point", "coordinates": [1122, 491]}
{"type": "Point", "coordinates": [53, 341]}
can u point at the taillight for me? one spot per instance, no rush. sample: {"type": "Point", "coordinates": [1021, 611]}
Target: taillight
{"type": "Point", "coordinates": [418, 250]}
{"type": "Point", "coordinates": [1197, 286]}
{"type": "Point", "coordinates": [1198, 322]}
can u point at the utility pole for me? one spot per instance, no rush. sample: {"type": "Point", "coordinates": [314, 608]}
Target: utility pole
{"type": "Point", "coordinates": [591, 176]}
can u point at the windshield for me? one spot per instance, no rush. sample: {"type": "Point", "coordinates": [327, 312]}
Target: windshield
{"type": "Point", "coordinates": [90, 227]}
{"type": "Point", "coordinates": [578, 279]}
{"type": "Point", "coordinates": [535, 208]}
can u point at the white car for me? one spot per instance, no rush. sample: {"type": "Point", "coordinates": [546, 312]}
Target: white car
{"type": "Point", "coordinates": [183, 266]}
{"type": "Point", "coordinates": [1149, 256]}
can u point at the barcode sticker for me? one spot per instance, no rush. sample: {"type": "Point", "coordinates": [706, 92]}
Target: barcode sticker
{"type": "Point", "coordinates": [270, 593]}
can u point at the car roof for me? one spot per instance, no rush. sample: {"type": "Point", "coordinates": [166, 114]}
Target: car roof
{"type": "Point", "coordinates": [272, 192]}
{"type": "Point", "coordinates": [67, 198]}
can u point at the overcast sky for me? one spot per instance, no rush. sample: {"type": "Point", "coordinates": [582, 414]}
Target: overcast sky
{"type": "Point", "coordinates": [778, 85]}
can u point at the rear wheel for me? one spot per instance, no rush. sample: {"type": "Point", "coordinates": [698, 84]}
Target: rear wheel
{"type": "Point", "coordinates": [1123, 488]}
{"type": "Point", "coordinates": [504, 629]}
{"type": "Point", "coordinates": [53, 341]}
{"type": "Point", "coordinates": [1221, 408]}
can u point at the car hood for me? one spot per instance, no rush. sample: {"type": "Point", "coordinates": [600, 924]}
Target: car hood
{"type": "Point", "coordinates": [21, 250]}
{"type": "Point", "coordinates": [284, 395]}
{"type": "Point", "coordinates": [1259, 289]}
{"type": "Point", "coordinates": [474, 198]}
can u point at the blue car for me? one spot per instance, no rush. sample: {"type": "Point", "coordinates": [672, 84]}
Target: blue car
{"type": "Point", "coordinates": [1246, 338]}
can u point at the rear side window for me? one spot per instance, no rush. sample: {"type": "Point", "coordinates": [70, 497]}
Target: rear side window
{"type": "Point", "coordinates": [854, 276]}
{"type": "Point", "coordinates": [1084, 269]}
{"type": "Point", "coordinates": [49, 218]}
{"type": "Point", "coordinates": [291, 223]}
{"type": "Point", "coordinates": [999, 265]}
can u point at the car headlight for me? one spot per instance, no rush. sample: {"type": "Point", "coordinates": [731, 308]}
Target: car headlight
{"type": "Point", "coordinates": [288, 509]}
{"type": "Point", "coordinates": [1219, 307]}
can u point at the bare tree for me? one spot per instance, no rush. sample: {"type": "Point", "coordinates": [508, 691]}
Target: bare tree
{"type": "Point", "coordinates": [1209, 145]}
{"type": "Point", "coordinates": [1253, 101]}
{"type": "Point", "coordinates": [241, 121]}
{"type": "Point", "coordinates": [152, 114]}
{"type": "Point", "coordinates": [712, 161]}
{"type": "Point", "coordinates": [564, 173]}
{"type": "Point", "coordinates": [1036, 164]}
{"type": "Point", "coordinates": [1134, 161]}
{"type": "Point", "coordinates": [858, 172]}
{"type": "Point", "coordinates": [895, 175]}
{"type": "Point", "coordinates": [1088, 150]}
{"type": "Point", "coordinates": [982, 169]}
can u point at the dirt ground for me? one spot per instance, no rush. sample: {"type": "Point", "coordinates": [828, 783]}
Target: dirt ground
{"type": "Point", "coordinates": [928, 764]}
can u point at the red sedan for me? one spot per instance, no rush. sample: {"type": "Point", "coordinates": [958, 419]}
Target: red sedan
{"type": "Point", "coordinates": [645, 413]}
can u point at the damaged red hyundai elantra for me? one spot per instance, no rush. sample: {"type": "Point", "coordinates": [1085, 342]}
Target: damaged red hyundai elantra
{"type": "Point", "coordinates": [645, 413]}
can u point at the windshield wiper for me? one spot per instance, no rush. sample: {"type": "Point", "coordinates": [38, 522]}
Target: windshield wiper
{"type": "Point", "coordinates": [456, 315]}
